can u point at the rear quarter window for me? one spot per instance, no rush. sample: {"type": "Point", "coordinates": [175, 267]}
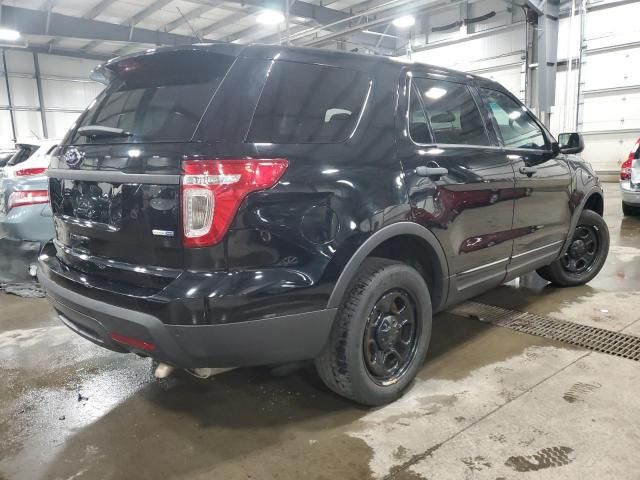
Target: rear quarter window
{"type": "Point", "coordinates": [306, 103]}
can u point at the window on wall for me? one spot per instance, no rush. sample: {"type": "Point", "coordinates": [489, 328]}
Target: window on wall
{"type": "Point", "coordinates": [515, 125]}
{"type": "Point", "coordinates": [305, 103]}
{"type": "Point", "coordinates": [452, 112]}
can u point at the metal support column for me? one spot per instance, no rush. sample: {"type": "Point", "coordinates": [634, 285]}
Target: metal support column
{"type": "Point", "coordinates": [11, 112]}
{"type": "Point", "coordinates": [547, 51]}
{"type": "Point", "coordinates": [581, 62]}
{"type": "Point", "coordinates": [43, 116]}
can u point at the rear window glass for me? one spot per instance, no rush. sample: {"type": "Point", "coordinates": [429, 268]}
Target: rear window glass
{"type": "Point", "coordinates": [304, 103]}
{"type": "Point", "coordinates": [155, 98]}
{"type": "Point", "coordinates": [21, 155]}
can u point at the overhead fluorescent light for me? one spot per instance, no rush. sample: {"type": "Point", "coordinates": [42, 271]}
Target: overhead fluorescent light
{"type": "Point", "coordinates": [405, 21]}
{"type": "Point", "coordinates": [270, 17]}
{"type": "Point", "coordinates": [9, 35]}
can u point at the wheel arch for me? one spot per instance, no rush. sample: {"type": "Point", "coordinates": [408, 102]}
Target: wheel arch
{"type": "Point", "coordinates": [405, 241]}
{"type": "Point", "coordinates": [592, 200]}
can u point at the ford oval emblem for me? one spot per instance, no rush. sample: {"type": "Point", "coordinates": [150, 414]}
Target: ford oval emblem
{"type": "Point", "coordinates": [74, 157]}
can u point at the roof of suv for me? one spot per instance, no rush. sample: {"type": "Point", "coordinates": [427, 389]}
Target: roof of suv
{"type": "Point", "coordinates": [315, 55]}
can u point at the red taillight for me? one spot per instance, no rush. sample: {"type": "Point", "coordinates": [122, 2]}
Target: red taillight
{"type": "Point", "coordinates": [33, 197]}
{"type": "Point", "coordinates": [26, 172]}
{"type": "Point", "coordinates": [625, 168]}
{"type": "Point", "coordinates": [133, 342]}
{"type": "Point", "coordinates": [212, 191]}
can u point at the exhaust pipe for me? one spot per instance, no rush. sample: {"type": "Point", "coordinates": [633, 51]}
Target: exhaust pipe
{"type": "Point", "coordinates": [205, 373]}
{"type": "Point", "coordinates": [163, 371]}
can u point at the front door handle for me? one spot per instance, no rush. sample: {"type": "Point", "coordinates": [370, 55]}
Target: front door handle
{"type": "Point", "coordinates": [528, 171]}
{"type": "Point", "coordinates": [431, 172]}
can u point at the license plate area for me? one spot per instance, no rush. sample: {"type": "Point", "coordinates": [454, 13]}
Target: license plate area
{"type": "Point", "coordinates": [96, 204]}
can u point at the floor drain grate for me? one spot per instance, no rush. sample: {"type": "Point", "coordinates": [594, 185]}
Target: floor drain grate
{"type": "Point", "coordinates": [593, 338]}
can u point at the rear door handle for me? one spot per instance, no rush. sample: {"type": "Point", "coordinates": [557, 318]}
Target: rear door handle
{"type": "Point", "coordinates": [528, 171]}
{"type": "Point", "coordinates": [423, 171]}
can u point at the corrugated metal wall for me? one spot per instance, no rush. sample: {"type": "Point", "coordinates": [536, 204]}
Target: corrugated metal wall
{"type": "Point", "coordinates": [610, 79]}
{"type": "Point", "coordinates": [65, 90]}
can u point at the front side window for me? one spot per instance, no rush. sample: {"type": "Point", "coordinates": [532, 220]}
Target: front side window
{"type": "Point", "coordinates": [452, 112]}
{"type": "Point", "coordinates": [516, 126]}
{"type": "Point", "coordinates": [305, 103]}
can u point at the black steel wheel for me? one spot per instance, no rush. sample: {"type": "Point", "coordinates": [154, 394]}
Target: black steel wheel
{"type": "Point", "coordinates": [390, 336]}
{"type": "Point", "coordinates": [583, 250]}
{"type": "Point", "coordinates": [380, 335]}
{"type": "Point", "coordinates": [585, 255]}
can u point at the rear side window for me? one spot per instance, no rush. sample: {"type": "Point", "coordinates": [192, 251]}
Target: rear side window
{"type": "Point", "coordinates": [452, 112]}
{"type": "Point", "coordinates": [516, 126]}
{"type": "Point", "coordinates": [159, 97]}
{"type": "Point", "coordinates": [418, 123]}
{"type": "Point", "coordinates": [304, 103]}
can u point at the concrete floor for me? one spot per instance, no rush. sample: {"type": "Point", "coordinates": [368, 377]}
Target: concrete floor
{"type": "Point", "coordinates": [490, 403]}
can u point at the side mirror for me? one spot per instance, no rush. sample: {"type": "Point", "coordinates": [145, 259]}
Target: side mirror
{"type": "Point", "coordinates": [571, 142]}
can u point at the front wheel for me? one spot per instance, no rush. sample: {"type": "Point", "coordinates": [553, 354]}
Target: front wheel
{"type": "Point", "coordinates": [585, 256]}
{"type": "Point", "coordinates": [380, 335]}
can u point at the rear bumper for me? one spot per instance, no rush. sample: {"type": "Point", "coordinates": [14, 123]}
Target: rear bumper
{"type": "Point", "coordinates": [16, 258]}
{"type": "Point", "coordinates": [30, 222]}
{"type": "Point", "coordinates": [630, 195]}
{"type": "Point", "coordinates": [279, 339]}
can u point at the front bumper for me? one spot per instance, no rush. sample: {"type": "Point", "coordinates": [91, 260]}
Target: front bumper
{"type": "Point", "coordinates": [280, 339]}
{"type": "Point", "coordinates": [630, 195]}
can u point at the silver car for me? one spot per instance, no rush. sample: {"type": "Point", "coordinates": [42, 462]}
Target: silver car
{"type": "Point", "coordinates": [25, 224]}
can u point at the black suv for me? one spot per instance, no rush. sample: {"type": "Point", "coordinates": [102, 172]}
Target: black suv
{"type": "Point", "coordinates": [227, 205]}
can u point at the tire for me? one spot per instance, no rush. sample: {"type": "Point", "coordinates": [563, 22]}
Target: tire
{"type": "Point", "coordinates": [630, 210]}
{"type": "Point", "coordinates": [561, 274]}
{"type": "Point", "coordinates": [342, 364]}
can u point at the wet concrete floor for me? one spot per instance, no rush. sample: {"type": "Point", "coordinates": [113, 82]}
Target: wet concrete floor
{"type": "Point", "coordinates": [489, 403]}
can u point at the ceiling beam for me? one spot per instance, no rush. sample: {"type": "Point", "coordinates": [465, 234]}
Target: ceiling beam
{"type": "Point", "coordinates": [320, 14]}
{"type": "Point", "coordinates": [98, 9]}
{"type": "Point", "coordinates": [148, 11]}
{"type": "Point", "coordinates": [33, 22]}
{"type": "Point", "coordinates": [186, 17]}
{"type": "Point", "coordinates": [226, 21]}
{"type": "Point", "coordinates": [137, 18]}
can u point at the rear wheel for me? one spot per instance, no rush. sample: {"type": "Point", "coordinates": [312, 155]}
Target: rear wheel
{"type": "Point", "coordinates": [585, 256]}
{"type": "Point", "coordinates": [630, 210]}
{"type": "Point", "coordinates": [380, 335]}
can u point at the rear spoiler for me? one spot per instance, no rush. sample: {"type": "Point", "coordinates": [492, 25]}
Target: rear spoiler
{"type": "Point", "coordinates": [105, 72]}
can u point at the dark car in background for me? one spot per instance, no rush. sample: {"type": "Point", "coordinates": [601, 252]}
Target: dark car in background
{"type": "Point", "coordinates": [229, 205]}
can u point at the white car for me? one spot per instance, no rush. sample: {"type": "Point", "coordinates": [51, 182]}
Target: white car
{"type": "Point", "coordinates": [36, 164]}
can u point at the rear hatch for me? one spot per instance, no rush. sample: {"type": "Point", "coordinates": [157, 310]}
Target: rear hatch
{"type": "Point", "coordinates": [115, 182]}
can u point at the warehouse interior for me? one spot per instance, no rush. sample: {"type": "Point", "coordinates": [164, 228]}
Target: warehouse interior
{"type": "Point", "coordinates": [499, 397]}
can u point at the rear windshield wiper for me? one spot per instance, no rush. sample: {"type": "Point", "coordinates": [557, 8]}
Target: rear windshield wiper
{"type": "Point", "coordinates": [95, 131]}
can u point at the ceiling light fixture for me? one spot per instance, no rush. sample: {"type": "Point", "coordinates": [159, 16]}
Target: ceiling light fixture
{"type": "Point", "coordinates": [270, 17]}
{"type": "Point", "coordinates": [435, 93]}
{"type": "Point", "coordinates": [405, 21]}
{"type": "Point", "coordinates": [9, 35]}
